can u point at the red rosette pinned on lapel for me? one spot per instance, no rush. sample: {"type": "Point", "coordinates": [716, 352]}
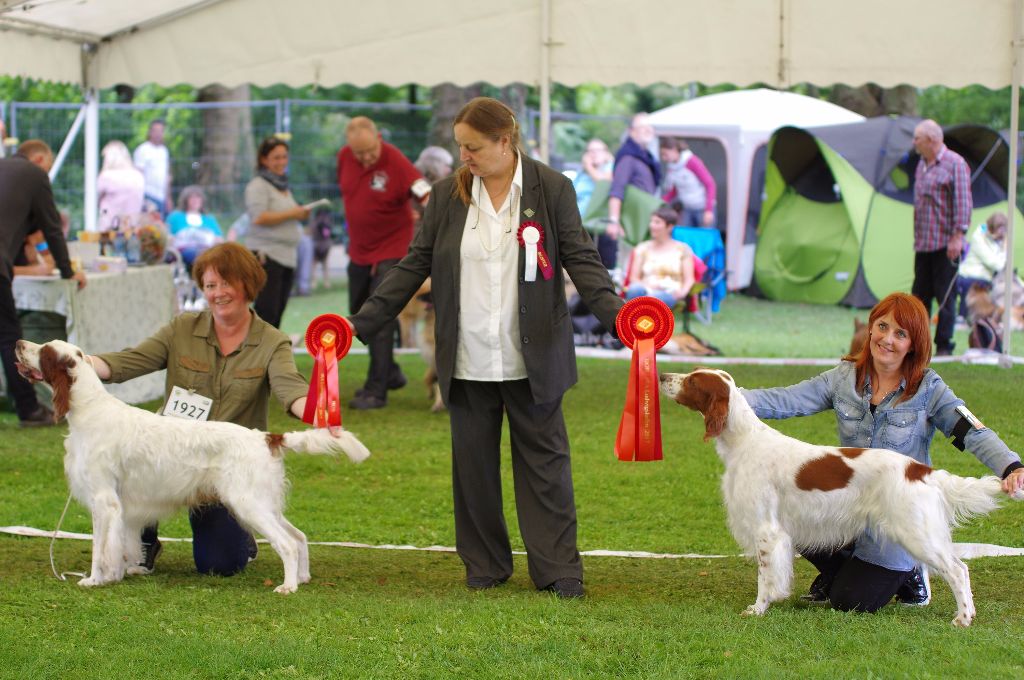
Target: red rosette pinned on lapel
{"type": "Point", "coordinates": [644, 324]}
{"type": "Point", "coordinates": [328, 339]}
{"type": "Point", "coordinates": [531, 239]}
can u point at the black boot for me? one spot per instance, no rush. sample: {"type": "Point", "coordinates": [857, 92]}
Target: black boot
{"type": "Point", "coordinates": [915, 591]}
{"type": "Point", "coordinates": [819, 590]}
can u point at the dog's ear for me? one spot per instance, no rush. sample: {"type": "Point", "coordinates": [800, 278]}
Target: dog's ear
{"type": "Point", "coordinates": [56, 373]}
{"type": "Point", "coordinates": [712, 400]}
{"type": "Point", "coordinates": [714, 418]}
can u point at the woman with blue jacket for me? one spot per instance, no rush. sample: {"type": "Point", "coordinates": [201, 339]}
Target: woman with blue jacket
{"type": "Point", "coordinates": [886, 397]}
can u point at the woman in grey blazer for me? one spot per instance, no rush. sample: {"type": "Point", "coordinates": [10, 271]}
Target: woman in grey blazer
{"type": "Point", "coordinates": [503, 341]}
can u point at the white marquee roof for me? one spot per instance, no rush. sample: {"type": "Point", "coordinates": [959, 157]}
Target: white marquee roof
{"type": "Point", "coordinates": [298, 42]}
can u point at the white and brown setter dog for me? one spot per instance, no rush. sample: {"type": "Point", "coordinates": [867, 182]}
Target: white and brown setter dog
{"type": "Point", "coordinates": [130, 467]}
{"type": "Point", "coordinates": [782, 494]}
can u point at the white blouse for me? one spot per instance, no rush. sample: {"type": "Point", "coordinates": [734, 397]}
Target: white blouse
{"type": "Point", "coordinates": [488, 344]}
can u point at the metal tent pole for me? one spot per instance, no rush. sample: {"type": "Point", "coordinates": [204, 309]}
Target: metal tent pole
{"type": "Point", "coordinates": [545, 80]}
{"type": "Point", "coordinates": [1011, 189]}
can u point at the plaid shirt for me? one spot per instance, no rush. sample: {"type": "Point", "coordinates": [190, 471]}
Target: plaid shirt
{"type": "Point", "coordinates": [942, 200]}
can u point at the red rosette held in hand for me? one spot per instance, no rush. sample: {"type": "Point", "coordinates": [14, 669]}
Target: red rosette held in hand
{"type": "Point", "coordinates": [644, 324]}
{"type": "Point", "coordinates": [328, 339]}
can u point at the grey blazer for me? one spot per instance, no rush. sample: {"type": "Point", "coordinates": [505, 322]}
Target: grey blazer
{"type": "Point", "coordinates": [544, 323]}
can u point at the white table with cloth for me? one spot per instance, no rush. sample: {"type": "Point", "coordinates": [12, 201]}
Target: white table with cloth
{"type": "Point", "coordinates": [113, 312]}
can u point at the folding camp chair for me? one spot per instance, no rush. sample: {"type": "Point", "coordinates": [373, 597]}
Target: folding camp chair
{"type": "Point", "coordinates": [707, 245]}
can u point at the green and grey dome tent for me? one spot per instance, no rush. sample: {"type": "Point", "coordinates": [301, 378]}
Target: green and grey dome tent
{"type": "Point", "coordinates": [837, 223]}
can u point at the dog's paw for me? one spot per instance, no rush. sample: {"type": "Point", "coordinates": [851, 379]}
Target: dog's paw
{"type": "Point", "coordinates": [285, 589]}
{"type": "Point", "coordinates": [754, 610]}
{"type": "Point", "coordinates": [138, 570]}
{"type": "Point", "coordinates": [90, 582]}
{"type": "Point", "coordinates": [962, 620]}
{"type": "Point", "coordinates": [305, 578]}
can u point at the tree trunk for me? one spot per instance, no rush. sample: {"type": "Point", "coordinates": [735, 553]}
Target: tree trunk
{"type": "Point", "coordinates": [228, 154]}
{"type": "Point", "coordinates": [901, 100]}
{"type": "Point", "coordinates": [448, 99]}
{"type": "Point", "coordinates": [871, 100]}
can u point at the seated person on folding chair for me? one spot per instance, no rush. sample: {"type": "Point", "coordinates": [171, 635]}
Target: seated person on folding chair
{"type": "Point", "coordinates": [661, 267]}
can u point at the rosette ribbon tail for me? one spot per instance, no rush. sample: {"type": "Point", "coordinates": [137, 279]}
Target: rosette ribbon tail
{"type": "Point", "coordinates": [531, 240]}
{"type": "Point", "coordinates": [639, 435]}
{"type": "Point", "coordinates": [644, 324]}
{"type": "Point", "coordinates": [328, 339]}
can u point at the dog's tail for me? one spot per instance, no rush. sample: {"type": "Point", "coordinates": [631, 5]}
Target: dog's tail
{"type": "Point", "coordinates": [968, 497]}
{"type": "Point", "coordinates": [321, 441]}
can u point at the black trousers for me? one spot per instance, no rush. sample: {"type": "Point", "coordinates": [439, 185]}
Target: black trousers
{"type": "Point", "coordinates": [220, 545]}
{"type": "Point", "coordinates": [857, 585]}
{"type": "Point", "coordinates": [19, 390]}
{"type": "Point", "coordinates": [363, 279]}
{"type": "Point", "coordinates": [934, 280]}
{"type": "Point", "coordinates": [271, 301]}
{"type": "Point", "coordinates": [542, 479]}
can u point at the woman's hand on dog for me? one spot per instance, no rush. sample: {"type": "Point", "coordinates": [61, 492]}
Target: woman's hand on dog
{"type": "Point", "coordinates": [1014, 482]}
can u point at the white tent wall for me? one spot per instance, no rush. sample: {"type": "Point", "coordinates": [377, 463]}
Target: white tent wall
{"type": "Point", "coordinates": [327, 42]}
{"type": "Point", "coordinates": [652, 41]}
{"type": "Point", "coordinates": [40, 57]}
{"type": "Point", "coordinates": [778, 42]}
{"type": "Point", "coordinates": [918, 42]}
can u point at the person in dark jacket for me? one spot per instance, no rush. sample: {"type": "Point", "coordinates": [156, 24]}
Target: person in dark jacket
{"type": "Point", "coordinates": [504, 342]}
{"type": "Point", "coordinates": [26, 205]}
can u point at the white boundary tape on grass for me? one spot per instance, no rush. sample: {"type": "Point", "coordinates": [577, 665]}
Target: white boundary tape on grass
{"type": "Point", "coordinates": [964, 550]}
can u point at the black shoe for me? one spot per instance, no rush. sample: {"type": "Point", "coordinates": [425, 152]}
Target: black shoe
{"type": "Point", "coordinates": [41, 417]}
{"type": "Point", "coordinates": [150, 551]}
{"type": "Point", "coordinates": [395, 382]}
{"type": "Point", "coordinates": [915, 591]}
{"type": "Point", "coordinates": [566, 588]}
{"type": "Point", "coordinates": [484, 582]}
{"type": "Point", "coordinates": [819, 591]}
{"type": "Point", "coordinates": [946, 351]}
{"type": "Point", "coordinates": [254, 550]}
{"type": "Point", "coordinates": [366, 401]}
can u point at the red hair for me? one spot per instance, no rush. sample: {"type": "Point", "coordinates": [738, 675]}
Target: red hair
{"type": "Point", "coordinates": [911, 315]}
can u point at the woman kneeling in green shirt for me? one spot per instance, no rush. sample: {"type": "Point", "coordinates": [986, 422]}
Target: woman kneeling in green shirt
{"type": "Point", "coordinates": [222, 364]}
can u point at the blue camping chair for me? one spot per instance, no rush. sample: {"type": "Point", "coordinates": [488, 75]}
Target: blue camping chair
{"type": "Point", "coordinates": [706, 243]}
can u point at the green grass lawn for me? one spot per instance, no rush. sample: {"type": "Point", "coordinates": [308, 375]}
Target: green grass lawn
{"type": "Point", "coordinates": [404, 614]}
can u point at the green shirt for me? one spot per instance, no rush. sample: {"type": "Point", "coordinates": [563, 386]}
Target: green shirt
{"type": "Point", "coordinates": [239, 384]}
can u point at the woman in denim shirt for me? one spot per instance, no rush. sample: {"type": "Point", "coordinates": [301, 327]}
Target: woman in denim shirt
{"type": "Point", "coordinates": [885, 397]}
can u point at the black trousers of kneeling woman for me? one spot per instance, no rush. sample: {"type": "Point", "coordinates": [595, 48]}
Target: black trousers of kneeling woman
{"type": "Point", "coordinates": [857, 585]}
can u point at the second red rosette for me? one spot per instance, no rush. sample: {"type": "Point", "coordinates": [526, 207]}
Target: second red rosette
{"type": "Point", "coordinates": [328, 339]}
{"type": "Point", "coordinates": [644, 324]}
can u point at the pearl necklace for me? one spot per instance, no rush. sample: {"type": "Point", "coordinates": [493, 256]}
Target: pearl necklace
{"type": "Point", "coordinates": [512, 210]}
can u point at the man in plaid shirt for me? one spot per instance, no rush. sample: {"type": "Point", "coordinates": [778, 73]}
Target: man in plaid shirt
{"type": "Point", "coordinates": [942, 214]}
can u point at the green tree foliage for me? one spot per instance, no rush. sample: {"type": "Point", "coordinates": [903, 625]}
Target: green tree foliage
{"type": "Point", "coordinates": [579, 114]}
{"type": "Point", "coordinates": [972, 104]}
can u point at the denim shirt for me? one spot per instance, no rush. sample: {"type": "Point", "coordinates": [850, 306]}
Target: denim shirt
{"type": "Point", "coordinates": [903, 426]}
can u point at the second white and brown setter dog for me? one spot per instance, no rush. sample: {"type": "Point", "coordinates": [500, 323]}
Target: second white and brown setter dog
{"type": "Point", "coordinates": [782, 494]}
{"type": "Point", "coordinates": [130, 467]}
